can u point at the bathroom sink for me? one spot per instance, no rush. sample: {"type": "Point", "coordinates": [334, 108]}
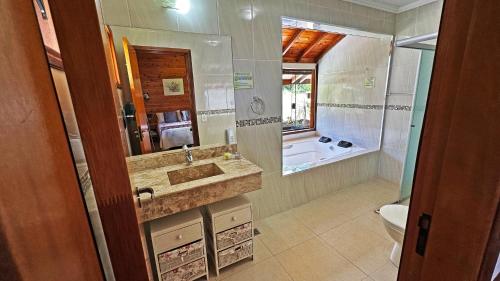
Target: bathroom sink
{"type": "Point", "coordinates": [194, 173]}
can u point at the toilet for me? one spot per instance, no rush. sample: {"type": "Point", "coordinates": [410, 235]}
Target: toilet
{"type": "Point", "coordinates": [394, 218]}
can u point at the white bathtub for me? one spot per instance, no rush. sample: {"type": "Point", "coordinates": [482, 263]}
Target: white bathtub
{"type": "Point", "coordinates": [307, 153]}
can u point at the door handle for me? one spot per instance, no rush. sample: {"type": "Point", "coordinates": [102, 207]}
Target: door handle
{"type": "Point", "coordinates": [424, 225]}
{"type": "Point", "coordinates": [138, 133]}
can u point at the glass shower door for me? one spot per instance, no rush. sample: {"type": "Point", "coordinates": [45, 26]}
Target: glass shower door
{"type": "Point", "coordinates": [423, 82]}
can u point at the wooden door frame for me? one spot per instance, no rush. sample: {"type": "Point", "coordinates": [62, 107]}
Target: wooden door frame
{"type": "Point", "coordinates": [189, 70]}
{"type": "Point", "coordinates": [82, 50]}
{"type": "Point", "coordinates": [457, 179]}
{"type": "Point", "coordinates": [45, 232]}
{"type": "Point", "coordinates": [91, 90]}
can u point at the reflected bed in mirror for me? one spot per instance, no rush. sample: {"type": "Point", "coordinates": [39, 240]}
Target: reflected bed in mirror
{"type": "Point", "coordinates": [170, 130]}
{"type": "Point", "coordinates": [177, 87]}
{"type": "Point", "coordinates": [334, 86]}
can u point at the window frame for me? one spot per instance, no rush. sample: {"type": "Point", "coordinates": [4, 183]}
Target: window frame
{"type": "Point", "coordinates": [314, 94]}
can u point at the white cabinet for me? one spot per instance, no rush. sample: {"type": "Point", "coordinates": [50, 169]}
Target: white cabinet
{"type": "Point", "coordinates": [229, 227]}
{"type": "Point", "coordinates": [177, 246]}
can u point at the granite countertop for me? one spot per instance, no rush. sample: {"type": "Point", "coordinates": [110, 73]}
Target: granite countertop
{"type": "Point", "coordinates": [239, 176]}
{"type": "Point", "coordinates": [157, 178]}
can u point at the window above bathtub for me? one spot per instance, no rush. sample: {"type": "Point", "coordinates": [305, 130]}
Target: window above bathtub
{"type": "Point", "coordinates": [299, 100]}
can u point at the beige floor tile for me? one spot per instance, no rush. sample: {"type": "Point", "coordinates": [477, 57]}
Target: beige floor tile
{"type": "Point", "coordinates": [389, 272]}
{"type": "Point", "coordinates": [282, 231]}
{"type": "Point", "coordinates": [378, 192]}
{"type": "Point", "coordinates": [315, 260]}
{"type": "Point", "coordinates": [360, 243]}
{"type": "Point", "coordinates": [374, 221]}
{"type": "Point", "coordinates": [331, 211]}
{"type": "Point", "coordinates": [261, 254]}
{"type": "Point", "coordinates": [269, 270]}
{"type": "Point", "coordinates": [352, 244]}
{"type": "Point", "coordinates": [322, 220]}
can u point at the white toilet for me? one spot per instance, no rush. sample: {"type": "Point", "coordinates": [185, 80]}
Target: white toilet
{"type": "Point", "coordinates": [394, 218]}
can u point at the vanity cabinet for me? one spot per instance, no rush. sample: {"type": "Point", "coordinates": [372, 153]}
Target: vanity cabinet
{"type": "Point", "coordinates": [229, 228]}
{"type": "Point", "coordinates": [177, 246]}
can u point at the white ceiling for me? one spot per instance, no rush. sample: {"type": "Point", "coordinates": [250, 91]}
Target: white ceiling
{"type": "Point", "coordinates": [394, 6]}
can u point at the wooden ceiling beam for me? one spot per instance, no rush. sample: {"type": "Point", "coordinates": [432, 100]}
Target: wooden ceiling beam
{"type": "Point", "coordinates": [294, 39]}
{"type": "Point", "coordinates": [313, 45]}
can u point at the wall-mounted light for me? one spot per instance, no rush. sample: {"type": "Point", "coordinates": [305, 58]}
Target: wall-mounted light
{"type": "Point", "coordinates": [246, 13]}
{"type": "Point", "coordinates": [213, 43]}
{"type": "Point", "coordinates": [181, 6]}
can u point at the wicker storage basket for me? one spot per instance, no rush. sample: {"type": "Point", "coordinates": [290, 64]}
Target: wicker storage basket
{"type": "Point", "coordinates": [236, 253]}
{"type": "Point", "coordinates": [234, 236]}
{"type": "Point", "coordinates": [176, 257]}
{"type": "Point", "coordinates": [185, 272]}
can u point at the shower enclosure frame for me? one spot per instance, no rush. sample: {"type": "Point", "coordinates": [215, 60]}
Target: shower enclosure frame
{"type": "Point", "coordinates": [419, 42]}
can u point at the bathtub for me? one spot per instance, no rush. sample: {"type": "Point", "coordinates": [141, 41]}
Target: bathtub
{"type": "Point", "coordinates": [307, 153]}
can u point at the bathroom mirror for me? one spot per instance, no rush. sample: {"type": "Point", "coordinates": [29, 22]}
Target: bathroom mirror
{"type": "Point", "coordinates": [334, 84]}
{"type": "Point", "coordinates": [177, 88]}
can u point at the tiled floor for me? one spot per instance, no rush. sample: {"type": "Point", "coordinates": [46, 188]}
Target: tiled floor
{"type": "Point", "coordinates": [337, 237]}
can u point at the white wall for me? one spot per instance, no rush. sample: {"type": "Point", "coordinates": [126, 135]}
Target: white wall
{"type": "Point", "coordinates": [347, 109]}
{"type": "Point", "coordinates": [421, 20]}
{"type": "Point", "coordinates": [255, 28]}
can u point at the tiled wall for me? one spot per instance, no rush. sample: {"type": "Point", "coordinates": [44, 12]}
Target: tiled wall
{"type": "Point", "coordinates": [422, 20]}
{"type": "Point", "coordinates": [348, 110]}
{"type": "Point", "coordinates": [255, 29]}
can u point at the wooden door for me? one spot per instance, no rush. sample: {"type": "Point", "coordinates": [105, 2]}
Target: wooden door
{"type": "Point", "coordinates": [158, 63]}
{"type": "Point", "coordinates": [44, 230]}
{"type": "Point", "coordinates": [134, 78]}
{"type": "Point", "coordinates": [457, 181]}
{"type": "Point", "coordinates": [92, 92]}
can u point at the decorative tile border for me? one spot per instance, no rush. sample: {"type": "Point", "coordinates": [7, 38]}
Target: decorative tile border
{"type": "Point", "coordinates": [277, 119]}
{"type": "Point", "coordinates": [216, 111]}
{"type": "Point", "coordinates": [398, 107]}
{"type": "Point", "coordinates": [258, 121]}
{"type": "Point", "coordinates": [352, 105]}
{"type": "Point", "coordinates": [367, 106]}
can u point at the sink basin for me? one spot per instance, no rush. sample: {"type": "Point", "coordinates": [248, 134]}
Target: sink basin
{"type": "Point", "coordinates": [194, 173]}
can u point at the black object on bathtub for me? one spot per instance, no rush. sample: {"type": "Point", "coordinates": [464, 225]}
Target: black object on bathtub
{"type": "Point", "coordinates": [344, 144]}
{"type": "Point", "coordinates": [325, 139]}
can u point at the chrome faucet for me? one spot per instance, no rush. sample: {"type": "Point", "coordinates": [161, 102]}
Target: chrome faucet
{"type": "Point", "coordinates": [189, 155]}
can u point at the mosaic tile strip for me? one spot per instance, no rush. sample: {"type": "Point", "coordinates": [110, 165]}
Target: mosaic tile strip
{"type": "Point", "coordinates": [366, 106]}
{"type": "Point", "coordinates": [216, 111]}
{"type": "Point", "coordinates": [398, 107]}
{"type": "Point", "coordinates": [258, 121]}
{"type": "Point", "coordinates": [352, 105]}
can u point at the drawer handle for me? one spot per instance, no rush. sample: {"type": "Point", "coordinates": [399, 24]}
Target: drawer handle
{"type": "Point", "coordinates": [233, 218]}
{"type": "Point", "coordinates": [179, 237]}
